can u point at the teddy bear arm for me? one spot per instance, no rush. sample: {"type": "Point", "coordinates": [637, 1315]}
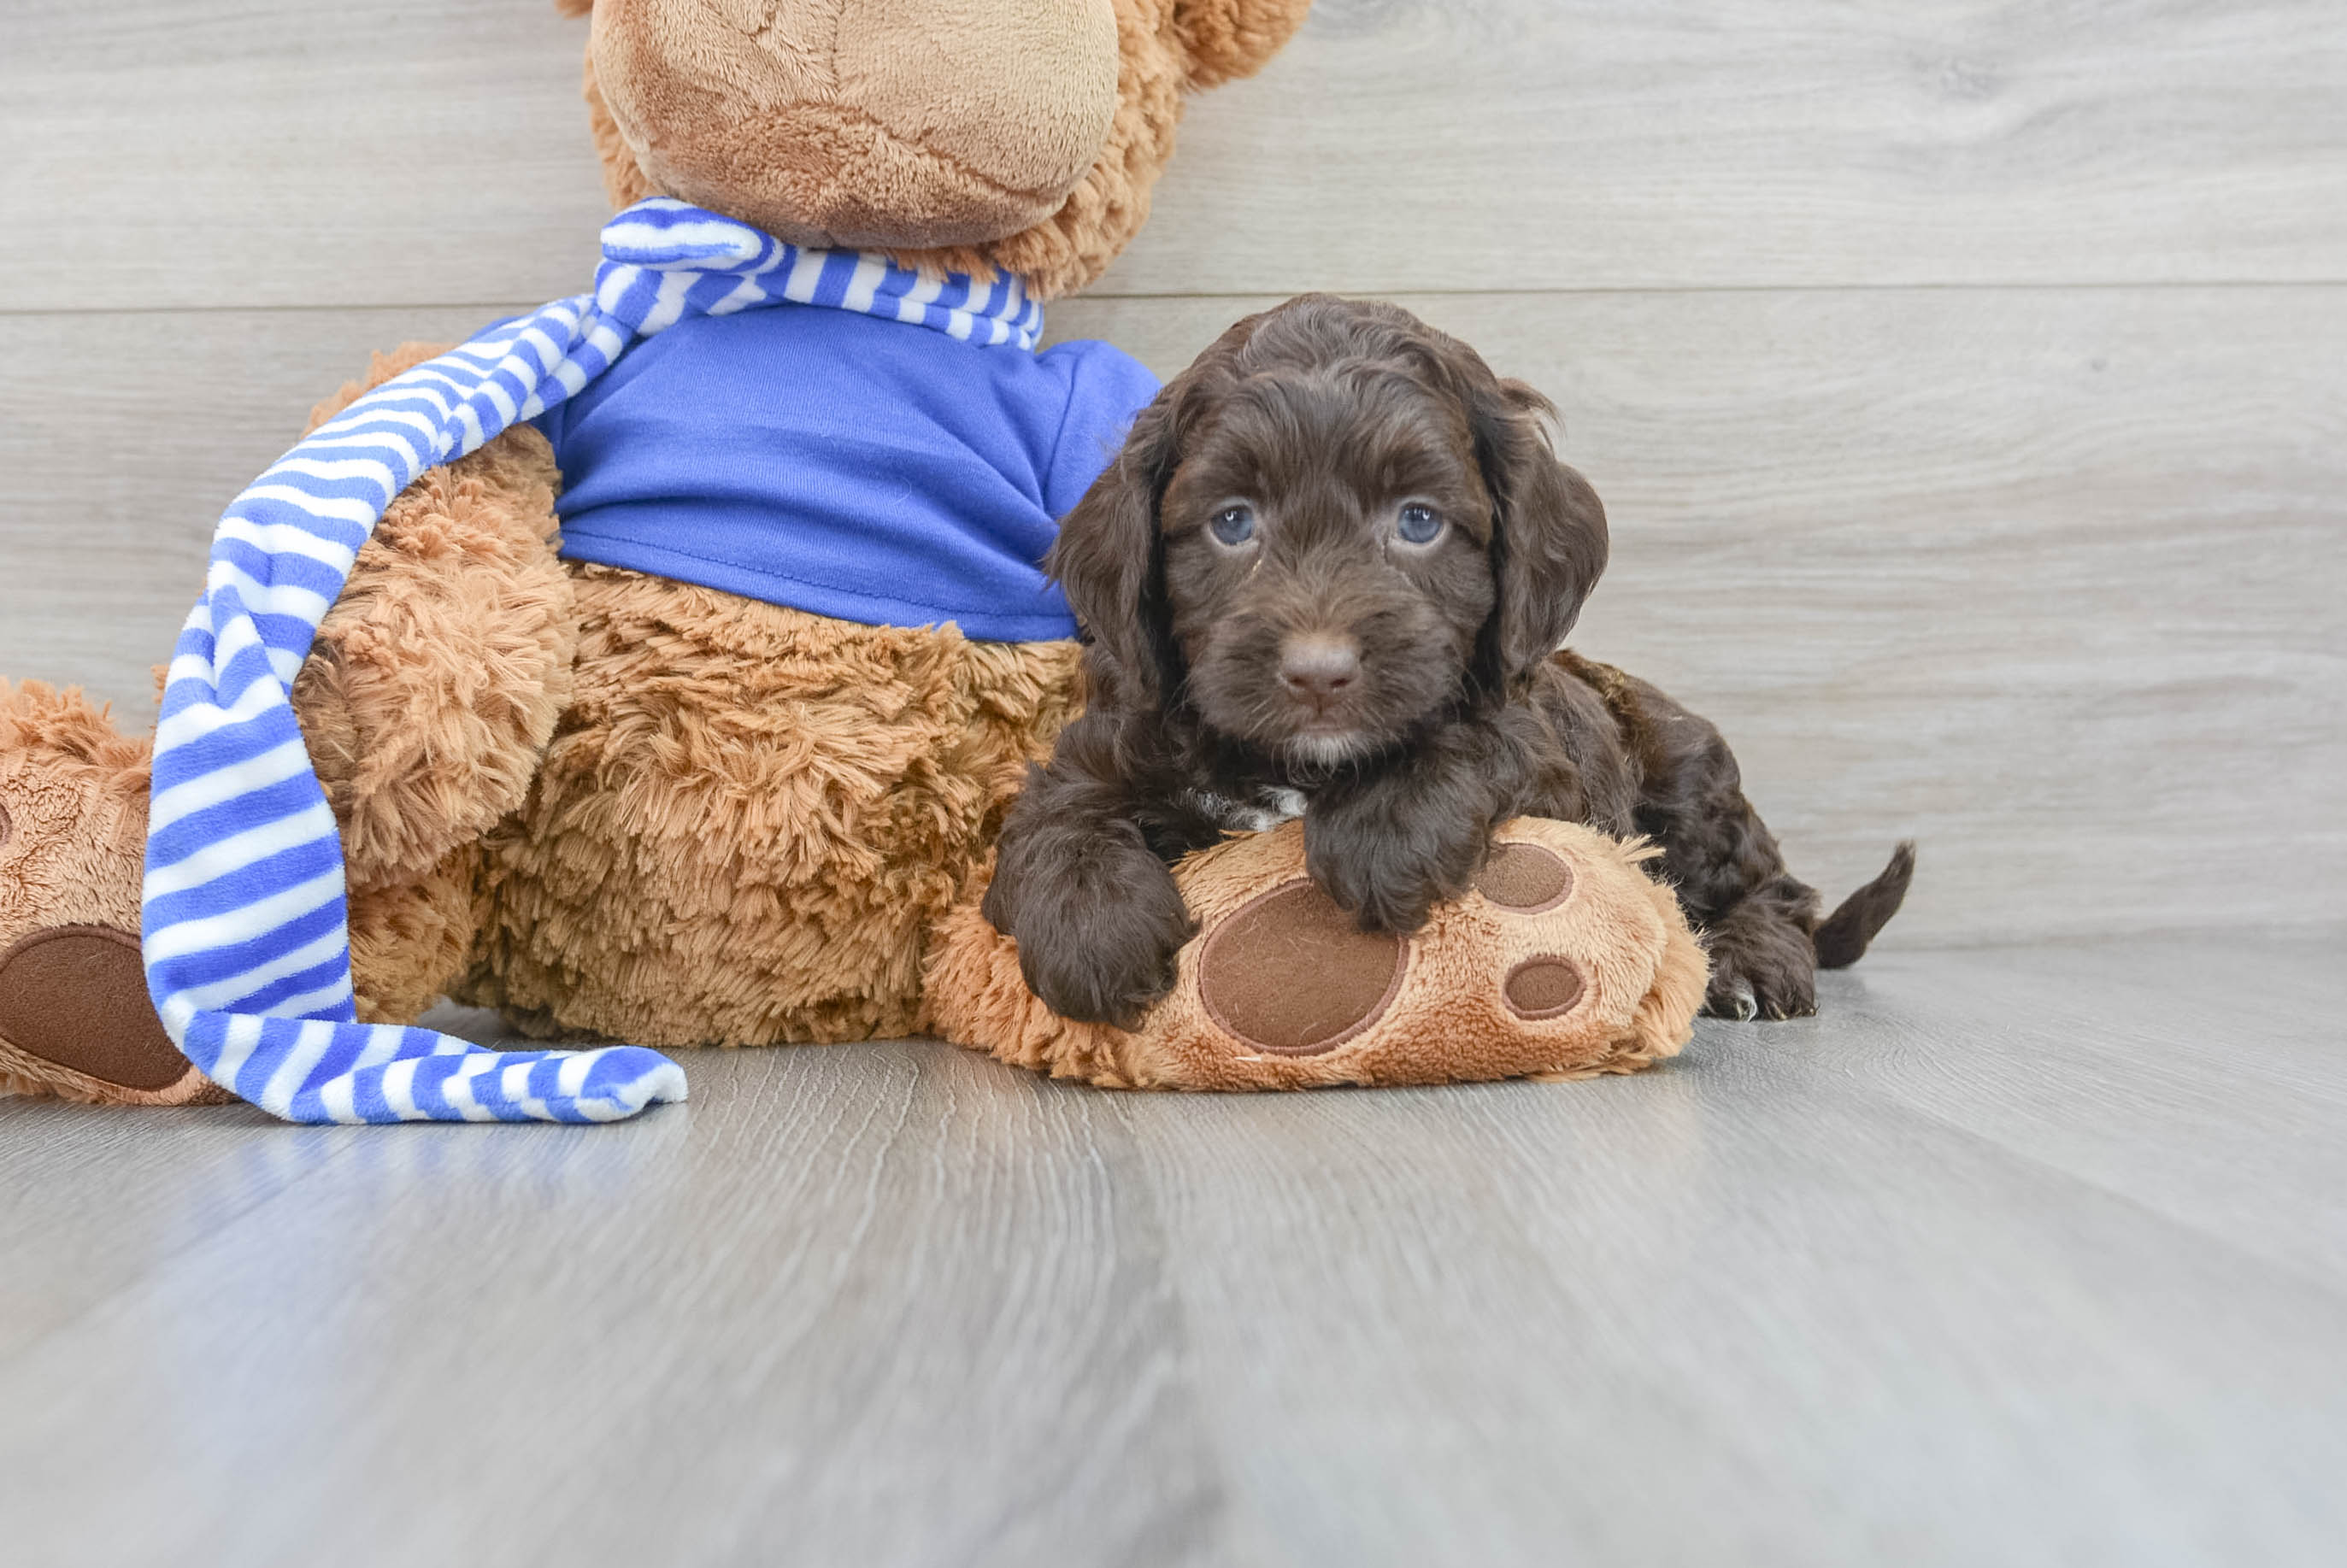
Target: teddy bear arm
{"type": "Point", "coordinates": [437, 677]}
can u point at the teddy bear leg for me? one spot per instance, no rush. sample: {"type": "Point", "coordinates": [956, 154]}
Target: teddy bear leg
{"type": "Point", "coordinates": [426, 700]}
{"type": "Point", "coordinates": [435, 683]}
{"type": "Point", "coordinates": [74, 1020]}
{"type": "Point", "coordinates": [75, 1017]}
{"type": "Point", "coordinates": [751, 817]}
{"type": "Point", "coordinates": [1563, 959]}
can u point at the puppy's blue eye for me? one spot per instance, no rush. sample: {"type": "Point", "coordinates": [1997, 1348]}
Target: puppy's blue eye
{"type": "Point", "coordinates": [1234, 525]}
{"type": "Point", "coordinates": [1418, 525]}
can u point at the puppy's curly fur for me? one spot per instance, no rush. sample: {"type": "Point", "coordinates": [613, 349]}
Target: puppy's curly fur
{"type": "Point", "coordinates": [1329, 573]}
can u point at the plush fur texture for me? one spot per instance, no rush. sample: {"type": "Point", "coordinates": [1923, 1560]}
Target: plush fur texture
{"type": "Point", "coordinates": [1447, 1015]}
{"type": "Point", "coordinates": [749, 817]}
{"type": "Point", "coordinates": [1331, 564]}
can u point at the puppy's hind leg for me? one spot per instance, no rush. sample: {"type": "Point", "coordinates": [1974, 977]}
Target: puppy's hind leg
{"type": "Point", "coordinates": [1762, 963]}
{"type": "Point", "coordinates": [1767, 949]}
{"type": "Point", "coordinates": [1753, 916]}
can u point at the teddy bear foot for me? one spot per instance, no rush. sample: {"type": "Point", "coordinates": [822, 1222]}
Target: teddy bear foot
{"type": "Point", "coordinates": [75, 1023]}
{"type": "Point", "coordinates": [1563, 960]}
{"type": "Point", "coordinates": [75, 1017]}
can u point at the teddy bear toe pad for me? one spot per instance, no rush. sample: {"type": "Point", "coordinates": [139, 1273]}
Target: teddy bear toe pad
{"type": "Point", "coordinates": [1542, 987]}
{"type": "Point", "coordinates": [76, 997]}
{"type": "Point", "coordinates": [1292, 974]}
{"type": "Point", "coordinates": [1525, 878]}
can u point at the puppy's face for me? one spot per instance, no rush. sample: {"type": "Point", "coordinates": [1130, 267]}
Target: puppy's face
{"type": "Point", "coordinates": [1334, 528]}
{"type": "Point", "coordinates": [1327, 537]}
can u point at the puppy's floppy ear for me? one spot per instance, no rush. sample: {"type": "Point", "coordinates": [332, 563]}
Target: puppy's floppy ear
{"type": "Point", "coordinates": [1548, 527]}
{"type": "Point", "coordinates": [1109, 558]}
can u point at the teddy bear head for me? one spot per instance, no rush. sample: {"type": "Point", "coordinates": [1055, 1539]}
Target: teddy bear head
{"type": "Point", "coordinates": [976, 136]}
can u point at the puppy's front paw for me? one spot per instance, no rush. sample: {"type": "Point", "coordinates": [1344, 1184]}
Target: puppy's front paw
{"type": "Point", "coordinates": [1106, 960]}
{"type": "Point", "coordinates": [1387, 873]}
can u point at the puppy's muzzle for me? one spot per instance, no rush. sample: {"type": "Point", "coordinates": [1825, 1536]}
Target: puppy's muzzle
{"type": "Point", "coordinates": [1318, 670]}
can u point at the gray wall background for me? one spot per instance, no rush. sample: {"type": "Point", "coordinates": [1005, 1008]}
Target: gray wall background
{"type": "Point", "coordinates": [1967, 381]}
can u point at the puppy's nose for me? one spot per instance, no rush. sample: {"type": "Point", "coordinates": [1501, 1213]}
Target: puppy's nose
{"type": "Point", "coordinates": [1316, 666]}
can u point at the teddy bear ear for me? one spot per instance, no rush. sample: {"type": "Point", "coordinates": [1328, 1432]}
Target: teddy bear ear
{"type": "Point", "coordinates": [574, 7]}
{"type": "Point", "coordinates": [1227, 39]}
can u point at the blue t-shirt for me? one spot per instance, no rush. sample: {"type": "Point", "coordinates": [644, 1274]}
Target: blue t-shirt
{"type": "Point", "coordinates": [866, 469]}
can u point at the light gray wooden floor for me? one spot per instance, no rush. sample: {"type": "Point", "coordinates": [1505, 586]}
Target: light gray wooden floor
{"type": "Point", "coordinates": [2013, 1257]}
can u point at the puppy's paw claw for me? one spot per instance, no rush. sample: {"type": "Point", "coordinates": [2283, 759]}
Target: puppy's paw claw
{"type": "Point", "coordinates": [1734, 1000]}
{"type": "Point", "coordinates": [1787, 996]}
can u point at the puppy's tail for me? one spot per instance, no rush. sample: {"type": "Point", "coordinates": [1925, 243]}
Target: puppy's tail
{"type": "Point", "coordinates": [1847, 931]}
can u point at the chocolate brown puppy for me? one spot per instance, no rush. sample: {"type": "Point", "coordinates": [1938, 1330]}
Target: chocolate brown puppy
{"type": "Point", "coordinates": [1331, 575]}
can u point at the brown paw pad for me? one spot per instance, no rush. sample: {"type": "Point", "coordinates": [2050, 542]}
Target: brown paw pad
{"type": "Point", "coordinates": [1525, 878]}
{"type": "Point", "coordinates": [76, 997]}
{"type": "Point", "coordinates": [1289, 973]}
{"type": "Point", "coordinates": [1543, 987]}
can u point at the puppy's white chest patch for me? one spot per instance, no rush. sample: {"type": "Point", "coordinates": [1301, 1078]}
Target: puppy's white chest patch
{"type": "Point", "coordinates": [1266, 810]}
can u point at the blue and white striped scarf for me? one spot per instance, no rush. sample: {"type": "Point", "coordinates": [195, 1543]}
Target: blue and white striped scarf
{"type": "Point", "coordinates": [247, 940]}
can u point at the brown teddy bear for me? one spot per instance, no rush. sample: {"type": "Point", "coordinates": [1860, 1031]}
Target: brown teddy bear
{"type": "Point", "coordinates": [578, 773]}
